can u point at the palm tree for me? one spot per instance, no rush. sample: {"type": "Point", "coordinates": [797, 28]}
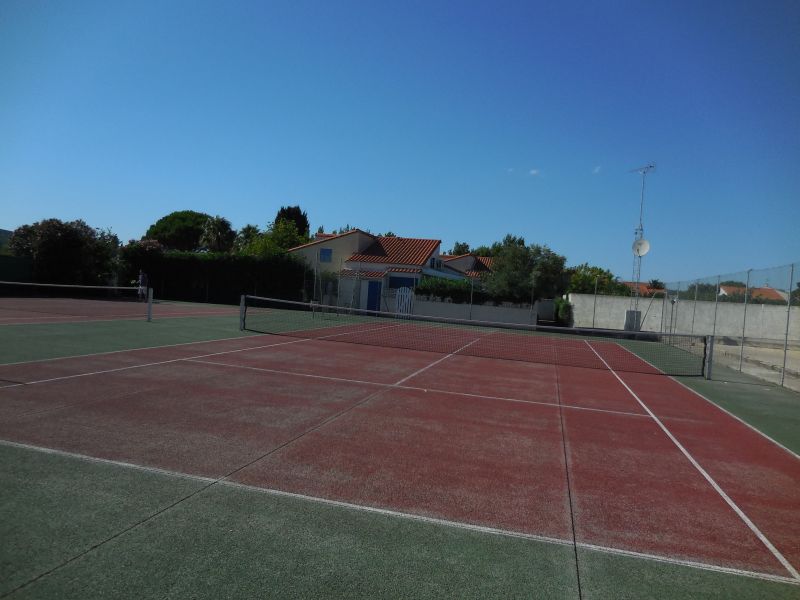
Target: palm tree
{"type": "Point", "coordinates": [217, 234]}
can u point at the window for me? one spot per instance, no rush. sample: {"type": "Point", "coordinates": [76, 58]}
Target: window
{"type": "Point", "coordinates": [325, 255]}
{"type": "Point", "coordinates": [398, 282]}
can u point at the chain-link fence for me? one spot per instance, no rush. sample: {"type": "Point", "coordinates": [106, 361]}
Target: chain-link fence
{"type": "Point", "coordinates": [753, 315]}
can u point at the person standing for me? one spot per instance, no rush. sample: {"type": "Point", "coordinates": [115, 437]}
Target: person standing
{"type": "Point", "coordinates": [144, 283]}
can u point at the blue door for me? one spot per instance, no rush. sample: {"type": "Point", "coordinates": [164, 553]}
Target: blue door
{"type": "Point", "coordinates": [374, 295]}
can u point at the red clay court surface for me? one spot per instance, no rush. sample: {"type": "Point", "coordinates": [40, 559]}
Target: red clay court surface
{"type": "Point", "coordinates": [27, 311]}
{"type": "Point", "coordinates": [565, 453]}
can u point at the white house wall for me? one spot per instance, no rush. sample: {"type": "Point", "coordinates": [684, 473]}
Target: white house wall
{"type": "Point", "coordinates": [342, 249]}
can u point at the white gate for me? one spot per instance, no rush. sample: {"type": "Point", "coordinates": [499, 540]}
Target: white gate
{"type": "Point", "coordinates": [404, 301]}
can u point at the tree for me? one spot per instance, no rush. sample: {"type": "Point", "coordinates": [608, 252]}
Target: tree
{"type": "Point", "coordinates": [141, 254]}
{"type": "Point", "coordinates": [180, 230]}
{"type": "Point", "coordinates": [389, 234]}
{"type": "Point", "coordinates": [582, 280]}
{"type": "Point", "coordinates": [482, 251]}
{"type": "Point", "coordinates": [459, 248]}
{"type": "Point", "coordinates": [701, 291]}
{"type": "Point", "coordinates": [246, 236]}
{"type": "Point", "coordinates": [217, 234]}
{"type": "Point", "coordinates": [23, 240]}
{"type": "Point", "coordinates": [548, 269]}
{"type": "Point", "coordinates": [511, 270]}
{"type": "Point", "coordinates": [520, 272]}
{"type": "Point", "coordinates": [296, 216]}
{"type": "Point", "coordinates": [655, 284]}
{"type": "Point", "coordinates": [279, 237]}
{"type": "Point", "coordinates": [67, 252]}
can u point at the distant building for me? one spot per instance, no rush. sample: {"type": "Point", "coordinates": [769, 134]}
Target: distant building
{"type": "Point", "coordinates": [384, 263]}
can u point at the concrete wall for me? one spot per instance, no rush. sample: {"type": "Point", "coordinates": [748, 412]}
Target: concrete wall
{"type": "Point", "coordinates": [764, 321]}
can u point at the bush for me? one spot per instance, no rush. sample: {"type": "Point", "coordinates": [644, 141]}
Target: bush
{"type": "Point", "coordinates": [563, 312]}
{"type": "Point", "coordinates": [456, 291]}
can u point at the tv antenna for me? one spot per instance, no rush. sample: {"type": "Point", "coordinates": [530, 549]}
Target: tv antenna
{"type": "Point", "coordinates": [640, 245]}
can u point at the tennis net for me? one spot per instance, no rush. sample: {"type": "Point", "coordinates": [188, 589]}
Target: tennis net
{"type": "Point", "coordinates": [644, 352]}
{"type": "Point", "coordinates": [48, 302]}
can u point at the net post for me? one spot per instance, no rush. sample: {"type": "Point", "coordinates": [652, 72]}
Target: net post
{"type": "Point", "coordinates": [709, 355]}
{"type": "Point", "coordinates": [241, 312]}
{"type": "Point", "coordinates": [149, 304]}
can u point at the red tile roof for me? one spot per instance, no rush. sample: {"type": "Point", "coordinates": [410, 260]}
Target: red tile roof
{"type": "Point", "coordinates": [404, 251]}
{"type": "Point", "coordinates": [767, 293]}
{"type": "Point", "coordinates": [481, 265]}
{"type": "Point", "coordinates": [404, 270]}
{"type": "Point", "coordinates": [446, 257]}
{"type": "Point", "coordinates": [728, 290]}
{"type": "Point", "coordinates": [644, 289]}
{"type": "Point", "coordinates": [487, 261]}
{"type": "Point", "coordinates": [363, 274]}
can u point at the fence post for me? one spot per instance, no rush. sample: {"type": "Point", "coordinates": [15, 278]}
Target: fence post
{"type": "Point", "coordinates": [744, 318]}
{"type": "Point", "coordinates": [241, 312]}
{"type": "Point", "coordinates": [709, 355]}
{"type": "Point", "coordinates": [594, 307]}
{"type": "Point", "coordinates": [694, 308]}
{"type": "Point", "coordinates": [716, 304]}
{"type": "Point", "coordinates": [786, 335]}
{"type": "Point", "coordinates": [149, 304]}
{"type": "Point", "coordinates": [471, 287]}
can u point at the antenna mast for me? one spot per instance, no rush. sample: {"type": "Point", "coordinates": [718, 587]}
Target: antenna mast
{"type": "Point", "coordinates": [640, 245]}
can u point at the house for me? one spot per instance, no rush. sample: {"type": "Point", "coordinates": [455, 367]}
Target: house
{"type": "Point", "coordinates": [732, 290]}
{"type": "Point", "coordinates": [768, 293]}
{"type": "Point", "coordinates": [756, 293]}
{"type": "Point", "coordinates": [644, 289]}
{"type": "Point", "coordinates": [471, 265]}
{"type": "Point", "coordinates": [384, 263]}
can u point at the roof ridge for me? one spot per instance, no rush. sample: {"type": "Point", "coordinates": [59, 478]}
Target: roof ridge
{"type": "Point", "coordinates": [333, 237]}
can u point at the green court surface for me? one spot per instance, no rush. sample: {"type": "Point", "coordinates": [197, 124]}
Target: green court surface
{"type": "Point", "coordinates": [772, 410]}
{"type": "Point", "coordinates": [74, 528]}
{"type": "Point", "coordinates": [56, 340]}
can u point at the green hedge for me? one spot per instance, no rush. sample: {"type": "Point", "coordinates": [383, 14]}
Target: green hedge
{"type": "Point", "coordinates": [16, 268]}
{"type": "Point", "coordinates": [457, 291]}
{"type": "Point", "coordinates": [214, 277]}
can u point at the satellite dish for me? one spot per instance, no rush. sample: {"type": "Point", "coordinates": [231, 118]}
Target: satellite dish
{"type": "Point", "coordinates": [641, 247]}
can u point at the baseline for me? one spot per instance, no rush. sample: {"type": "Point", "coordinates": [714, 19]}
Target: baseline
{"type": "Point", "coordinates": [409, 516]}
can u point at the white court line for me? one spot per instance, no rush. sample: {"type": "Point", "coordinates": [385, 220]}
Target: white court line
{"type": "Point", "coordinates": [55, 358]}
{"type": "Point", "coordinates": [415, 388]}
{"type": "Point", "coordinates": [174, 360]}
{"type": "Point", "coordinates": [405, 516]}
{"type": "Point", "coordinates": [775, 552]}
{"type": "Point", "coordinates": [436, 362]}
{"type": "Point", "coordinates": [714, 404]}
{"type": "Point", "coordinates": [742, 421]}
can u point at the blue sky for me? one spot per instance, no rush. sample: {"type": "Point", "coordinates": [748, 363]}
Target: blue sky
{"type": "Point", "coordinates": [450, 120]}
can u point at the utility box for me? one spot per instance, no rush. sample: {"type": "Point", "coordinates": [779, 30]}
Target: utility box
{"type": "Point", "coordinates": [633, 320]}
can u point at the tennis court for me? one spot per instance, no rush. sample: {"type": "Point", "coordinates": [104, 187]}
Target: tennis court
{"type": "Point", "coordinates": [326, 453]}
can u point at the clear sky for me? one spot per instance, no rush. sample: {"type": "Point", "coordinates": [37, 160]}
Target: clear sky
{"type": "Point", "coordinates": [448, 120]}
